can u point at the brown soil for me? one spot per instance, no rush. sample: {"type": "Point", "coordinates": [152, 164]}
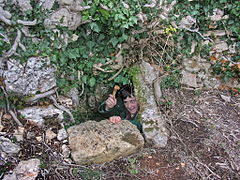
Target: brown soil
{"type": "Point", "coordinates": [204, 144]}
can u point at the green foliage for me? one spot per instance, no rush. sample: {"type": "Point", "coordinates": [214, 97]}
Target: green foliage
{"type": "Point", "coordinates": [132, 166]}
{"type": "Point", "coordinates": [171, 81]}
{"type": "Point", "coordinates": [90, 174]}
{"type": "Point", "coordinates": [201, 10]}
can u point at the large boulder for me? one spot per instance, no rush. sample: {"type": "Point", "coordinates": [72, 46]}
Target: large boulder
{"type": "Point", "coordinates": [98, 142]}
{"type": "Point", "coordinates": [153, 121]}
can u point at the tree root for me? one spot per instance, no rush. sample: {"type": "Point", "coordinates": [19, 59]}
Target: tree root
{"type": "Point", "coordinates": [62, 108]}
{"type": "Point", "coordinates": [39, 96]}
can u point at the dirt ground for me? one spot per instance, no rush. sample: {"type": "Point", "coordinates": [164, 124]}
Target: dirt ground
{"type": "Point", "coordinates": [204, 144]}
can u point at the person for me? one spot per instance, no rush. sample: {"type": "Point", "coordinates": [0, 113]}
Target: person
{"type": "Point", "coordinates": [120, 108]}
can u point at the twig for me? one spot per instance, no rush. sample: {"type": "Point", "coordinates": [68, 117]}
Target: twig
{"type": "Point", "coordinates": [39, 96]}
{"type": "Point", "coordinates": [207, 168]}
{"type": "Point", "coordinates": [5, 38]}
{"type": "Point", "coordinates": [15, 118]}
{"type": "Point", "coordinates": [62, 108]}
{"type": "Point", "coordinates": [196, 31]}
{"type": "Point", "coordinates": [4, 16]}
{"type": "Point", "coordinates": [115, 75]}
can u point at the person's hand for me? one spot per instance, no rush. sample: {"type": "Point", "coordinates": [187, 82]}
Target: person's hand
{"type": "Point", "coordinates": [115, 119]}
{"type": "Point", "coordinates": [110, 102]}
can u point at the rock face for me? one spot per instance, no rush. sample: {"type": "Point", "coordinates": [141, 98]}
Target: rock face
{"type": "Point", "coordinates": [98, 142]}
{"type": "Point", "coordinates": [153, 122]}
{"type": "Point", "coordinates": [35, 75]}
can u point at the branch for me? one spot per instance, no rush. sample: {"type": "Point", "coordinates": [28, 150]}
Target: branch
{"type": "Point", "coordinates": [4, 16]}
{"type": "Point", "coordinates": [15, 45]}
{"type": "Point", "coordinates": [62, 108]}
{"type": "Point", "coordinates": [27, 23]}
{"type": "Point", "coordinates": [39, 96]}
{"type": "Point", "coordinates": [196, 31]}
{"type": "Point", "coordinates": [115, 75]}
{"type": "Point", "coordinates": [15, 118]}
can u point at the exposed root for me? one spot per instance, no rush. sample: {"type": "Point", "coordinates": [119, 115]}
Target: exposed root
{"type": "Point", "coordinates": [62, 108]}
{"type": "Point", "coordinates": [15, 118]}
{"type": "Point", "coordinates": [40, 96]}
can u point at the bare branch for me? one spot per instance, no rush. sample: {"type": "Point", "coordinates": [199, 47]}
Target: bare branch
{"type": "Point", "coordinates": [115, 75]}
{"type": "Point", "coordinates": [15, 118]}
{"type": "Point", "coordinates": [4, 16]}
{"type": "Point", "coordinates": [39, 96]}
{"type": "Point", "coordinates": [27, 23]}
{"type": "Point", "coordinates": [62, 108]}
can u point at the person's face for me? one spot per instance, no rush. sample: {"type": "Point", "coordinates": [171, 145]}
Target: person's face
{"type": "Point", "coordinates": [131, 104]}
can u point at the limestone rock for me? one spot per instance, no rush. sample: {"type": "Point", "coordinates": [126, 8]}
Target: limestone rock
{"type": "Point", "coordinates": [26, 170]}
{"type": "Point", "coordinates": [8, 147]}
{"type": "Point", "coordinates": [25, 5]}
{"type": "Point", "coordinates": [65, 18]}
{"type": "Point", "coordinates": [62, 134]}
{"type": "Point", "coordinates": [37, 115]}
{"type": "Point", "coordinates": [153, 122]}
{"type": "Point", "coordinates": [50, 135]}
{"type": "Point", "coordinates": [35, 75]}
{"type": "Point", "coordinates": [98, 142]}
{"type": "Point", "coordinates": [187, 22]}
{"type": "Point", "coordinates": [189, 79]}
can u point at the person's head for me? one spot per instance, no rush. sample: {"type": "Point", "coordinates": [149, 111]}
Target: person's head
{"type": "Point", "coordinates": [129, 100]}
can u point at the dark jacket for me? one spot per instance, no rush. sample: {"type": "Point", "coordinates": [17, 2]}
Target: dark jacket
{"type": "Point", "coordinates": [119, 110]}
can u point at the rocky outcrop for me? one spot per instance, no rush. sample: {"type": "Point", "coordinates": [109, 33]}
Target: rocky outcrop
{"type": "Point", "coordinates": [25, 79]}
{"type": "Point", "coordinates": [98, 142]}
{"type": "Point", "coordinates": [153, 122]}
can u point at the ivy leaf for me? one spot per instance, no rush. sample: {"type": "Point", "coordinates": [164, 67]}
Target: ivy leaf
{"type": "Point", "coordinates": [114, 41]}
{"type": "Point", "coordinates": [90, 44]}
{"type": "Point", "coordinates": [92, 82]}
{"type": "Point", "coordinates": [84, 79]}
{"type": "Point", "coordinates": [95, 27]}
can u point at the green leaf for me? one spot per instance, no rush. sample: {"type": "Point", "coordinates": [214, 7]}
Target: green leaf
{"type": "Point", "coordinates": [92, 82]}
{"type": "Point", "coordinates": [90, 44]}
{"type": "Point", "coordinates": [95, 27]}
{"type": "Point", "coordinates": [84, 79]}
{"type": "Point", "coordinates": [114, 41]}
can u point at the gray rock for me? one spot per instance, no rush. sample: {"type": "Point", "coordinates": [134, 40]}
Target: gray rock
{"type": "Point", "coordinates": [62, 134]}
{"type": "Point", "coordinates": [153, 122]}
{"type": "Point", "coordinates": [189, 79]}
{"type": "Point", "coordinates": [8, 147]}
{"type": "Point", "coordinates": [63, 17]}
{"type": "Point", "coordinates": [26, 170]}
{"type": "Point", "coordinates": [98, 142]}
{"type": "Point", "coordinates": [35, 75]}
{"type": "Point", "coordinates": [36, 115]}
{"type": "Point", "coordinates": [24, 5]}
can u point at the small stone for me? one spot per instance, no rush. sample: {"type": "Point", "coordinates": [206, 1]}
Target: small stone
{"type": "Point", "coordinates": [62, 134]}
{"type": "Point", "coordinates": [19, 132]}
{"type": "Point", "coordinates": [65, 151]}
{"type": "Point", "coordinates": [226, 98]}
{"type": "Point", "coordinates": [50, 134]}
{"type": "Point", "coordinates": [39, 138]}
{"type": "Point", "coordinates": [7, 116]}
{"type": "Point", "coordinates": [8, 147]}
